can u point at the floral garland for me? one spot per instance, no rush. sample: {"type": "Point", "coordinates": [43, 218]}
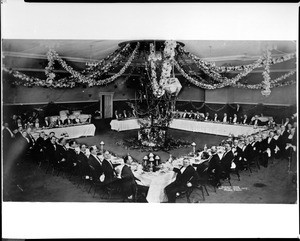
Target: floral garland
{"type": "Point", "coordinates": [273, 83]}
{"type": "Point", "coordinates": [211, 66]}
{"type": "Point", "coordinates": [92, 65]}
{"type": "Point", "coordinates": [266, 75]}
{"type": "Point", "coordinates": [98, 70]}
{"type": "Point", "coordinates": [117, 75]}
{"type": "Point", "coordinates": [71, 82]}
{"type": "Point", "coordinates": [169, 54]}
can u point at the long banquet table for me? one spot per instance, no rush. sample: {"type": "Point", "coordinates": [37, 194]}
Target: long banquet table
{"type": "Point", "coordinates": [72, 131]}
{"type": "Point", "coordinates": [194, 126]}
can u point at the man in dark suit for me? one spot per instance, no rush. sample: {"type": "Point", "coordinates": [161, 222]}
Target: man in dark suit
{"type": "Point", "coordinates": [226, 161]}
{"type": "Point", "coordinates": [51, 149]}
{"type": "Point", "coordinates": [68, 121]}
{"type": "Point", "coordinates": [48, 140]}
{"type": "Point", "coordinates": [41, 146]}
{"type": "Point", "coordinates": [13, 122]}
{"type": "Point", "coordinates": [245, 120]}
{"type": "Point", "coordinates": [185, 114]}
{"type": "Point", "coordinates": [72, 156]}
{"type": "Point", "coordinates": [95, 163]}
{"type": "Point", "coordinates": [62, 155]}
{"type": "Point", "coordinates": [186, 177]}
{"type": "Point", "coordinates": [46, 122]}
{"type": "Point", "coordinates": [214, 166]}
{"type": "Point", "coordinates": [248, 153]}
{"type": "Point", "coordinates": [83, 160]}
{"type": "Point", "coordinates": [8, 138]}
{"type": "Point", "coordinates": [127, 181]}
{"type": "Point", "coordinates": [108, 169]}
{"type": "Point", "coordinates": [58, 122]}
{"type": "Point", "coordinates": [216, 118]}
{"type": "Point", "coordinates": [207, 117]}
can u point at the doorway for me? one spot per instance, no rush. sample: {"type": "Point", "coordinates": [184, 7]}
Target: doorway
{"type": "Point", "coordinates": [106, 104]}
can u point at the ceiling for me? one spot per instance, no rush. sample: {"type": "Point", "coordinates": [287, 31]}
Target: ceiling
{"type": "Point", "coordinates": [30, 55]}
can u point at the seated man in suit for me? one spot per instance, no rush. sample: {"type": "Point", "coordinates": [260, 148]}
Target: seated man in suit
{"type": "Point", "coordinates": [108, 169]}
{"type": "Point", "coordinates": [76, 120]}
{"type": "Point", "coordinates": [225, 118]}
{"type": "Point", "coordinates": [255, 121]}
{"type": "Point", "coordinates": [226, 161]}
{"type": "Point", "coordinates": [124, 114]}
{"type": "Point", "coordinates": [95, 163]}
{"type": "Point", "coordinates": [58, 121]}
{"type": "Point", "coordinates": [216, 119]}
{"type": "Point", "coordinates": [46, 122]}
{"type": "Point", "coordinates": [207, 117]}
{"type": "Point", "coordinates": [68, 121]}
{"type": "Point", "coordinates": [186, 177]}
{"type": "Point", "coordinates": [191, 115]}
{"type": "Point", "coordinates": [82, 160]}
{"type": "Point", "coordinates": [127, 180]}
{"type": "Point", "coordinates": [185, 114]}
{"type": "Point", "coordinates": [235, 119]}
{"type": "Point", "coordinates": [245, 120]}
{"type": "Point", "coordinates": [116, 115]}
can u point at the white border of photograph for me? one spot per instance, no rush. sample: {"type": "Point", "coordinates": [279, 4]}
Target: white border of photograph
{"type": "Point", "coordinates": [179, 21]}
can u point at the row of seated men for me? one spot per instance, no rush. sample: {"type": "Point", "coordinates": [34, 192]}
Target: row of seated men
{"type": "Point", "coordinates": [124, 114]}
{"type": "Point", "coordinates": [69, 157]}
{"type": "Point", "coordinates": [235, 119]}
{"type": "Point", "coordinates": [16, 122]}
{"type": "Point", "coordinates": [241, 152]}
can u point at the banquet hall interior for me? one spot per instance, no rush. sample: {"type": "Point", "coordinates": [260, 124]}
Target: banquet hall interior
{"type": "Point", "coordinates": [124, 121]}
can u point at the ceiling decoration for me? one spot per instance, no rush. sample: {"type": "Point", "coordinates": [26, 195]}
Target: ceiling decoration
{"type": "Point", "coordinates": [163, 61]}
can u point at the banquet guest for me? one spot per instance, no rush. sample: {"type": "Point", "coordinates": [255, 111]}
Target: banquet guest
{"type": "Point", "coordinates": [216, 118]}
{"type": "Point", "coordinates": [207, 117]}
{"type": "Point", "coordinates": [127, 182]}
{"type": "Point", "coordinates": [116, 115]}
{"type": "Point", "coordinates": [280, 143]}
{"type": "Point", "coordinates": [30, 137]}
{"type": "Point", "coordinates": [95, 163]}
{"type": "Point", "coordinates": [18, 132]}
{"type": "Point", "coordinates": [48, 140]}
{"type": "Point", "coordinates": [46, 122]}
{"type": "Point", "coordinates": [238, 153]}
{"type": "Point", "coordinates": [235, 119]}
{"type": "Point", "coordinates": [76, 120]}
{"type": "Point", "coordinates": [134, 113]}
{"type": "Point", "coordinates": [13, 122]}
{"type": "Point", "coordinates": [226, 161]}
{"type": "Point", "coordinates": [82, 160]}
{"type": "Point", "coordinates": [41, 146]}
{"type": "Point", "coordinates": [248, 152]}
{"type": "Point", "coordinates": [72, 155]}
{"type": "Point", "coordinates": [25, 142]}
{"type": "Point", "coordinates": [191, 115]}
{"type": "Point", "coordinates": [8, 135]}
{"type": "Point", "coordinates": [37, 123]}
{"type": "Point", "coordinates": [68, 121]}
{"type": "Point", "coordinates": [245, 120]}
{"type": "Point", "coordinates": [108, 169]}
{"type": "Point", "coordinates": [197, 116]}
{"type": "Point", "coordinates": [185, 114]}
{"type": "Point", "coordinates": [8, 138]}
{"type": "Point", "coordinates": [51, 151]}
{"type": "Point", "coordinates": [255, 121]}
{"type": "Point", "coordinates": [177, 114]}
{"type": "Point", "coordinates": [287, 121]}
{"type": "Point", "coordinates": [124, 114]}
{"type": "Point", "coordinates": [19, 123]}
{"type": "Point", "coordinates": [62, 154]}
{"type": "Point", "coordinates": [225, 118]}
{"type": "Point", "coordinates": [58, 121]}
{"type": "Point", "coordinates": [186, 177]}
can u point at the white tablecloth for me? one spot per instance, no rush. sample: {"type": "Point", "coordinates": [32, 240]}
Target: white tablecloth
{"type": "Point", "coordinates": [214, 128]}
{"type": "Point", "coordinates": [156, 182]}
{"type": "Point", "coordinates": [194, 126]}
{"type": "Point", "coordinates": [123, 125]}
{"type": "Point", "coordinates": [72, 131]}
